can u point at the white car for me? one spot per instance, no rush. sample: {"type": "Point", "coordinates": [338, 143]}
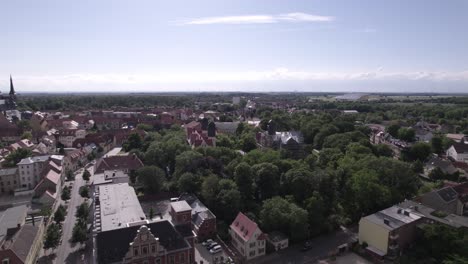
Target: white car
{"type": "Point", "coordinates": [216, 249]}
{"type": "Point", "coordinates": [207, 242]}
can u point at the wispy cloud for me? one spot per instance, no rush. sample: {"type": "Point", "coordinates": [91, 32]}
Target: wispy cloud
{"type": "Point", "coordinates": [284, 78]}
{"type": "Point", "coordinates": [259, 19]}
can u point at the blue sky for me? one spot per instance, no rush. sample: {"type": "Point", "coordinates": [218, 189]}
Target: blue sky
{"type": "Point", "coordinates": [238, 45]}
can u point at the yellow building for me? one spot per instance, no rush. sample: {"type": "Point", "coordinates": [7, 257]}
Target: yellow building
{"type": "Point", "coordinates": [388, 231]}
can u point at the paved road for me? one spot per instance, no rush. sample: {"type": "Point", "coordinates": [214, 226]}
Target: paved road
{"type": "Point", "coordinates": [67, 252]}
{"type": "Point", "coordinates": [321, 247]}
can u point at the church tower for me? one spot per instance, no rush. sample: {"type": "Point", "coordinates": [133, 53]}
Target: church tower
{"type": "Point", "coordinates": [12, 89]}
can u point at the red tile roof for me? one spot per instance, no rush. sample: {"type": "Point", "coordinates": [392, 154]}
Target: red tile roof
{"type": "Point", "coordinates": [244, 227]}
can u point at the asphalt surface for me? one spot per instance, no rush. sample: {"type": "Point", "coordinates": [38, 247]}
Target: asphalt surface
{"type": "Point", "coordinates": [322, 246]}
{"type": "Point", "coordinates": [69, 252]}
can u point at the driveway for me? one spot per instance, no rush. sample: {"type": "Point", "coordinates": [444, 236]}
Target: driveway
{"type": "Point", "coordinates": [321, 247]}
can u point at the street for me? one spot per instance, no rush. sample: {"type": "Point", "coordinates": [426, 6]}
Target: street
{"type": "Point", "coordinates": [68, 252]}
{"type": "Point", "coordinates": [321, 247]}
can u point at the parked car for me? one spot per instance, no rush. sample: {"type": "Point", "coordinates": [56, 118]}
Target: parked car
{"type": "Point", "coordinates": [216, 249]}
{"type": "Point", "coordinates": [213, 245]}
{"type": "Point", "coordinates": [307, 245]}
{"type": "Point", "coordinates": [207, 242]}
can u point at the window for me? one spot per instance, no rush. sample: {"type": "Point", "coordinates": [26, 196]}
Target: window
{"type": "Point", "coordinates": [144, 250]}
{"type": "Point", "coordinates": [153, 249]}
{"type": "Point", "coordinates": [252, 253]}
{"type": "Point", "coordinates": [252, 244]}
{"type": "Point", "coordinates": [182, 258]}
{"type": "Point", "coordinates": [135, 251]}
{"type": "Point", "coordinates": [157, 261]}
{"type": "Point", "coordinates": [145, 262]}
{"type": "Point", "coordinates": [172, 260]}
{"type": "Point", "coordinates": [6, 261]}
{"type": "Point", "coordinates": [261, 250]}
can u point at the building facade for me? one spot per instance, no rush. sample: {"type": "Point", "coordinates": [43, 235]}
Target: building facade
{"type": "Point", "coordinates": [247, 237]}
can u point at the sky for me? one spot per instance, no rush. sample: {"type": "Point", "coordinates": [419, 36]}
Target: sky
{"type": "Point", "coordinates": [238, 45]}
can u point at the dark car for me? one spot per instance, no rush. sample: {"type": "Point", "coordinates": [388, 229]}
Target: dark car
{"type": "Point", "coordinates": [307, 245]}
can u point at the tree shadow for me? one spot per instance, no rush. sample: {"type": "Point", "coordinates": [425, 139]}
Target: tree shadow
{"type": "Point", "coordinates": [48, 259]}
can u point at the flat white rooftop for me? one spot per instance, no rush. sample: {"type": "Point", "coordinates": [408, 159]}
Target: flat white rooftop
{"type": "Point", "coordinates": [119, 206]}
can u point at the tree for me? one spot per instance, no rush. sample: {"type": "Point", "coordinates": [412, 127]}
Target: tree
{"type": "Point", "coordinates": [134, 141]}
{"type": "Point", "coordinates": [26, 135]}
{"type": "Point", "coordinates": [248, 142]}
{"type": "Point", "coordinates": [279, 214]}
{"type": "Point", "coordinates": [62, 150]}
{"type": "Point", "coordinates": [299, 182]}
{"type": "Point", "coordinates": [383, 150]}
{"type": "Point", "coordinates": [437, 144]}
{"type": "Point", "coordinates": [84, 192]}
{"type": "Point", "coordinates": [244, 180]}
{"type": "Point", "coordinates": [60, 214]}
{"type": "Point", "coordinates": [52, 236]}
{"type": "Point", "coordinates": [79, 233]}
{"type": "Point", "coordinates": [267, 179]}
{"type": "Point", "coordinates": [316, 209]}
{"type": "Point", "coordinates": [420, 151]}
{"type": "Point", "coordinates": [188, 182]}
{"type": "Point", "coordinates": [393, 130]}
{"type": "Point", "coordinates": [228, 199]}
{"type": "Point", "coordinates": [16, 156]}
{"type": "Point", "coordinates": [83, 211]}
{"type": "Point", "coordinates": [406, 134]}
{"type": "Point", "coordinates": [86, 175]}
{"type": "Point", "coordinates": [69, 175]}
{"type": "Point", "coordinates": [369, 195]}
{"type": "Point", "coordinates": [210, 189]}
{"type": "Point", "coordinates": [151, 213]}
{"type": "Point", "coordinates": [151, 178]}
{"type": "Point", "coordinates": [66, 193]}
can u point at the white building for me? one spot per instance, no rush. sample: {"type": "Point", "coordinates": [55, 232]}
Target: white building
{"type": "Point", "coordinates": [247, 237]}
{"type": "Point", "coordinates": [30, 171]}
{"type": "Point", "coordinates": [458, 151]}
{"type": "Point", "coordinates": [68, 136]}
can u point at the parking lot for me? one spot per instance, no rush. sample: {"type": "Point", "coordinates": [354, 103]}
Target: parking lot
{"type": "Point", "coordinates": [203, 256]}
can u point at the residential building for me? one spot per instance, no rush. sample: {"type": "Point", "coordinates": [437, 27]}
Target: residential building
{"type": "Point", "coordinates": [201, 134]}
{"type": "Point", "coordinates": [450, 199]}
{"type": "Point", "coordinates": [125, 163]}
{"type": "Point", "coordinates": [110, 176]}
{"type": "Point", "coordinates": [9, 132]}
{"type": "Point", "coordinates": [30, 170]}
{"type": "Point", "coordinates": [277, 240]}
{"type": "Point", "coordinates": [203, 220]}
{"type": "Point", "coordinates": [247, 237]}
{"type": "Point", "coordinates": [68, 136]}
{"type": "Point", "coordinates": [9, 181]}
{"type": "Point", "coordinates": [124, 235]}
{"type": "Point", "coordinates": [20, 242]}
{"type": "Point", "coordinates": [389, 231]}
{"type": "Point", "coordinates": [458, 151]}
{"type": "Point", "coordinates": [291, 141]}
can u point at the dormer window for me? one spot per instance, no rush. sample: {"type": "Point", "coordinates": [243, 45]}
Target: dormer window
{"type": "Point", "coordinates": [237, 223]}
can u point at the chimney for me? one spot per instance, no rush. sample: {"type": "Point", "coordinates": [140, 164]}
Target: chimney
{"type": "Point", "coordinates": [406, 213]}
{"type": "Point", "coordinates": [399, 211]}
{"type": "Point", "coordinates": [386, 221]}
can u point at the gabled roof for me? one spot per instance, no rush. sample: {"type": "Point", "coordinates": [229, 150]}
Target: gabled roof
{"type": "Point", "coordinates": [53, 176]}
{"type": "Point", "coordinates": [113, 245]}
{"type": "Point", "coordinates": [130, 162]}
{"type": "Point", "coordinates": [461, 147]}
{"type": "Point", "coordinates": [244, 227]}
{"type": "Point", "coordinates": [23, 241]}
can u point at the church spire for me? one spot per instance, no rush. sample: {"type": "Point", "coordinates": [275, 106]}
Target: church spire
{"type": "Point", "coordinates": [12, 88]}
